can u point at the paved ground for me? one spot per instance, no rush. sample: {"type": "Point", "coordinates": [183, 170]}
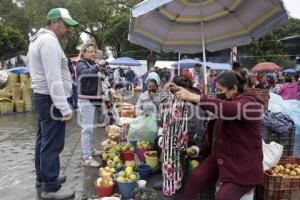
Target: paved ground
{"type": "Point", "coordinates": [17, 173]}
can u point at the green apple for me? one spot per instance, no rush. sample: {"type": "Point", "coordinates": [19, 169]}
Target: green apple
{"type": "Point", "coordinates": [116, 159]}
{"type": "Point", "coordinates": [128, 170]}
{"type": "Point", "coordinates": [133, 177]}
{"type": "Point", "coordinates": [121, 174]}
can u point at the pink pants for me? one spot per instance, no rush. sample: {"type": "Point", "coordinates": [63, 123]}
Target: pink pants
{"type": "Point", "coordinates": [207, 172]}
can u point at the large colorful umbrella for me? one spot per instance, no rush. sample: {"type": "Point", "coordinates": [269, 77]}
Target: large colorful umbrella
{"type": "Point", "coordinates": [266, 67]}
{"type": "Point", "coordinates": [191, 26]}
{"type": "Point", "coordinates": [125, 61]}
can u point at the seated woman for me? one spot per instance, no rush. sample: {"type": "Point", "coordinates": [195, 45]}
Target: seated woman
{"type": "Point", "coordinates": [149, 101]}
{"type": "Point", "coordinates": [236, 160]}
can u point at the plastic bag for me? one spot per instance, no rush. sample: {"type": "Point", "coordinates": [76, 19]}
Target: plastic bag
{"type": "Point", "coordinates": [3, 77]}
{"type": "Point", "coordinates": [272, 153]}
{"type": "Point", "coordinates": [143, 128]}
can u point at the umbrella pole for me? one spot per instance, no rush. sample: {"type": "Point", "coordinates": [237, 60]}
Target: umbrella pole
{"type": "Point", "coordinates": [204, 57]}
{"type": "Point", "coordinates": [178, 73]}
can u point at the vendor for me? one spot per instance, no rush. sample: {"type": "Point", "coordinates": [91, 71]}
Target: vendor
{"type": "Point", "coordinates": [236, 160]}
{"type": "Point", "coordinates": [149, 101]}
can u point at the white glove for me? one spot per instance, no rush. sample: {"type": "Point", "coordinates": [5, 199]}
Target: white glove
{"type": "Point", "coordinates": [195, 151]}
{"type": "Point", "coordinates": [160, 142]}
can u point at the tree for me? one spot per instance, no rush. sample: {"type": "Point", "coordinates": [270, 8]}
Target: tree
{"type": "Point", "coordinates": [270, 48]}
{"type": "Point", "coordinates": [12, 42]}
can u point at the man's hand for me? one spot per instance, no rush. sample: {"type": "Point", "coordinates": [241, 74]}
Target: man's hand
{"type": "Point", "coordinates": [67, 117]}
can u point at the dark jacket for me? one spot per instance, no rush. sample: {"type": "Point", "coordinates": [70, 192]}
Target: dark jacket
{"type": "Point", "coordinates": [238, 142]}
{"type": "Point", "coordinates": [88, 85]}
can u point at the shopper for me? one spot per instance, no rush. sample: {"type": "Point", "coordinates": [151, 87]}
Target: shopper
{"type": "Point", "coordinates": [289, 90]}
{"type": "Point", "coordinates": [89, 97]}
{"type": "Point", "coordinates": [52, 85]}
{"type": "Point", "coordinates": [237, 153]}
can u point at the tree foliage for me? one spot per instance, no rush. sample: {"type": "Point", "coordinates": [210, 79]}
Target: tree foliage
{"type": "Point", "coordinates": [12, 42]}
{"type": "Point", "coordinates": [271, 48]}
{"type": "Point", "coordinates": [106, 22]}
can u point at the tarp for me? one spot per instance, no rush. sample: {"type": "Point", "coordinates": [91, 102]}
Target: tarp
{"type": "Point", "coordinates": [288, 107]}
{"type": "Point", "coordinates": [19, 70]}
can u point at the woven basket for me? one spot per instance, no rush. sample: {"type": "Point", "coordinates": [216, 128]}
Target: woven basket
{"type": "Point", "coordinates": [16, 91]}
{"type": "Point", "coordinates": [12, 78]}
{"type": "Point", "coordinates": [19, 105]}
{"type": "Point", "coordinates": [28, 104]}
{"type": "Point", "coordinates": [24, 78]}
{"type": "Point", "coordinates": [26, 91]}
{"type": "Point", "coordinates": [5, 93]}
{"type": "Point", "coordinates": [6, 106]}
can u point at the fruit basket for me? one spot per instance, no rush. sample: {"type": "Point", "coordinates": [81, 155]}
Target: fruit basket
{"type": "Point", "coordinates": [104, 186]}
{"type": "Point", "coordinates": [282, 182]}
{"type": "Point", "coordinates": [117, 133]}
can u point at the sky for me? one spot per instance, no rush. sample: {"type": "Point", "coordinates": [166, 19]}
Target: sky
{"type": "Point", "coordinates": [293, 7]}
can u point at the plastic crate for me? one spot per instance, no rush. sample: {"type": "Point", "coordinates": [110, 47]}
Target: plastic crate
{"type": "Point", "coordinates": [280, 188]}
{"type": "Point", "coordinates": [287, 140]}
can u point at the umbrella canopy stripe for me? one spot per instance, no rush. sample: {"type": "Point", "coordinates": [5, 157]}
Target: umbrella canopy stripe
{"type": "Point", "coordinates": [171, 25]}
{"type": "Point", "coordinates": [210, 17]}
{"type": "Point", "coordinates": [193, 31]}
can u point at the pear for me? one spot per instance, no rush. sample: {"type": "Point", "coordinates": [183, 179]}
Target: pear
{"type": "Point", "coordinates": [194, 163]}
{"type": "Point", "coordinates": [128, 170]}
{"type": "Point", "coordinates": [293, 173]}
{"type": "Point", "coordinates": [121, 174]}
{"type": "Point", "coordinates": [297, 170]}
{"type": "Point", "coordinates": [133, 177]}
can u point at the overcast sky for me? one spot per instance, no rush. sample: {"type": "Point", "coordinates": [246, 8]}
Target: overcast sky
{"type": "Point", "coordinates": [293, 7]}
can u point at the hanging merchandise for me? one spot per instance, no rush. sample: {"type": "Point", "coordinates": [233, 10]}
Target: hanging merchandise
{"type": "Point", "coordinates": [175, 140]}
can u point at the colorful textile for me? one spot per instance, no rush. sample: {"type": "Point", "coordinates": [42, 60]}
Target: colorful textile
{"type": "Point", "coordinates": [175, 139]}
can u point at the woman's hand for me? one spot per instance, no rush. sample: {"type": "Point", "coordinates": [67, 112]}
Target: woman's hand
{"type": "Point", "coordinates": [172, 87]}
{"type": "Point", "coordinates": [184, 95]}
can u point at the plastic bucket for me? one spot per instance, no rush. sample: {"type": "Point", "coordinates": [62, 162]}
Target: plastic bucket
{"type": "Point", "coordinates": [144, 171]}
{"type": "Point", "coordinates": [119, 169]}
{"type": "Point", "coordinates": [104, 191]}
{"type": "Point", "coordinates": [151, 161]}
{"type": "Point", "coordinates": [133, 144]}
{"type": "Point", "coordinates": [127, 156]}
{"type": "Point", "coordinates": [140, 152]}
{"type": "Point", "coordinates": [125, 189]}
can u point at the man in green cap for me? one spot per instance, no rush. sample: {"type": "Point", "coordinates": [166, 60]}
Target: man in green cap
{"type": "Point", "coordinates": [51, 84]}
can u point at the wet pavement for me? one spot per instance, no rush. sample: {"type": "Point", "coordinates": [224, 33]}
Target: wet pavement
{"type": "Point", "coordinates": [17, 172]}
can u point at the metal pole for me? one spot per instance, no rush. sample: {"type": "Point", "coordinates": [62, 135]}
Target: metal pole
{"type": "Point", "coordinates": [203, 53]}
{"type": "Point", "coordinates": [178, 66]}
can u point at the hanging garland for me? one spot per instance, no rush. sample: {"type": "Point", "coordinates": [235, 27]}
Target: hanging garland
{"type": "Point", "coordinates": [175, 140]}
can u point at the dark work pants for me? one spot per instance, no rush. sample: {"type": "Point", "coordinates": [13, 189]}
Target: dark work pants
{"type": "Point", "coordinates": [206, 173]}
{"type": "Point", "coordinates": [50, 140]}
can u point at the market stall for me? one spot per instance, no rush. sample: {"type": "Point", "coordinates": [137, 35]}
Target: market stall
{"type": "Point", "coordinates": [16, 93]}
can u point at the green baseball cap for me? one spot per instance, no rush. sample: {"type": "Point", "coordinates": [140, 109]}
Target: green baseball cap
{"type": "Point", "coordinates": [61, 13]}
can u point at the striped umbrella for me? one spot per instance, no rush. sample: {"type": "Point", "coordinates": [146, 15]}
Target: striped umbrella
{"type": "Point", "coordinates": [190, 26]}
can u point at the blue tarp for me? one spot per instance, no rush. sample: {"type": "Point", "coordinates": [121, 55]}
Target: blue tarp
{"type": "Point", "coordinates": [189, 63]}
{"type": "Point", "coordinates": [19, 70]}
{"type": "Point", "coordinates": [288, 107]}
{"type": "Point", "coordinates": [125, 61]}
